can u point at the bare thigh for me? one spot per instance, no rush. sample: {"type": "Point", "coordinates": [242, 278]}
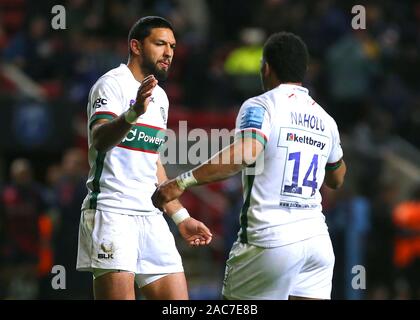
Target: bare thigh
{"type": "Point", "coordinates": [170, 287]}
{"type": "Point", "coordinates": [114, 286]}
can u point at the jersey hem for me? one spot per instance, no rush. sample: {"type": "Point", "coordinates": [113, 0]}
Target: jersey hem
{"type": "Point", "coordinates": [267, 244]}
{"type": "Point", "coordinates": [125, 211]}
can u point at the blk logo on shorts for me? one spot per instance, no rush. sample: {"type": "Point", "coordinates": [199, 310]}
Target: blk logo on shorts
{"type": "Point", "coordinates": [105, 256]}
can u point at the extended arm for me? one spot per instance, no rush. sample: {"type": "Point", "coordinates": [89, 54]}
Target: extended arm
{"type": "Point", "coordinates": [227, 162]}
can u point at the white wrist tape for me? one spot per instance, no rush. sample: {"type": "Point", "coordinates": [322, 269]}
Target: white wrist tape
{"type": "Point", "coordinates": [186, 180]}
{"type": "Point", "coordinates": [180, 216]}
{"type": "Point", "coordinates": [131, 116]}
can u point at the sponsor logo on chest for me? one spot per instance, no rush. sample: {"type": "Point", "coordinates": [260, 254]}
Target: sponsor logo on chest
{"type": "Point", "coordinates": [305, 139]}
{"type": "Point", "coordinates": [144, 138]}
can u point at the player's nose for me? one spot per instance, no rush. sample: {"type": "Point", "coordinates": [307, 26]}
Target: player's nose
{"type": "Point", "coordinates": [168, 53]}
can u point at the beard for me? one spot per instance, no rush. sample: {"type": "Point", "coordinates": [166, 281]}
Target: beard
{"type": "Point", "coordinates": [149, 67]}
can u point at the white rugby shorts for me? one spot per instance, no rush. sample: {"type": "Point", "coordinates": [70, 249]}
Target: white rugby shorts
{"type": "Point", "coordinates": [143, 245]}
{"type": "Point", "coordinates": [302, 269]}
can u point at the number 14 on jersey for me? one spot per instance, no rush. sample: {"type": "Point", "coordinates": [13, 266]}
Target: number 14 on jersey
{"type": "Point", "coordinates": [309, 179]}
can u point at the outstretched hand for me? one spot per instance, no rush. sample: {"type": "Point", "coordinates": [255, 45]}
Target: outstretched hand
{"type": "Point", "coordinates": [195, 232]}
{"type": "Point", "coordinates": [144, 93]}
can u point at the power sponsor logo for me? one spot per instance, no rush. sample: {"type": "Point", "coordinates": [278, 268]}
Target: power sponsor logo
{"type": "Point", "coordinates": [144, 138]}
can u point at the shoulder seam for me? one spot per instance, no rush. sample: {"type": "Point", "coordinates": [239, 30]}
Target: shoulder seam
{"type": "Point", "coordinates": [116, 81]}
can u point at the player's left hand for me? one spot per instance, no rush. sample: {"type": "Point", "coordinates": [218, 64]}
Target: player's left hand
{"type": "Point", "coordinates": [167, 191]}
{"type": "Point", "coordinates": [195, 232]}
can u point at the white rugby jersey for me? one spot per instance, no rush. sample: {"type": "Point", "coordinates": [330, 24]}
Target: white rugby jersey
{"type": "Point", "coordinates": [282, 204]}
{"type": "Point", "coordinates": [122, 180]}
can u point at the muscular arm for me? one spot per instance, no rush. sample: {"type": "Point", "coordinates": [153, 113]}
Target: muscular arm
{"type": "Point", "coordinates": [334, 178]}
{"type": "Point", "coordinates": [107, 134]}
{"type": "Point", "coordinates": [229, 161]}
{"type": "Point", "coordinates": [224, 164]}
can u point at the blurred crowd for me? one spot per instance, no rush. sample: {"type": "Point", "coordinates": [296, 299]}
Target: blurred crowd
{"type": "Point", "coordinates": [366, 79]}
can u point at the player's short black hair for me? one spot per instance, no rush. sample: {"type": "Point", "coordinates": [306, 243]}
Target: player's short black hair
{"type": "Point", "coordinates": [142, 28]}
{"type": "Point", "coordinates": [287, 55]}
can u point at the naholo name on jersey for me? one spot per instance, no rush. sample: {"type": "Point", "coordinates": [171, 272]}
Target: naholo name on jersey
{"type": "Point", "coordinates": [307, 121]}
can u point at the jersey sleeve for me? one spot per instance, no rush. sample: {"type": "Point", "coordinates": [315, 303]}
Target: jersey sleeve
{"type": "Point", "coordinates": [254, 120]}
{"type": "Point", "coordinates": [336, 153]}
{"type": "Point", "coordinates": [105, 100]}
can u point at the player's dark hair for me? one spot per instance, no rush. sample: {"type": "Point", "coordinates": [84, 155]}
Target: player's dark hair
{"type": "Point", "coordinates": [287, 55]}
{"type": "Point", "coordinates": [143, 27]}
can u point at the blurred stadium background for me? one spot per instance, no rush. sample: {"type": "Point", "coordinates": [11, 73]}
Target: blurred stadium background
{"type": "Point", "coordinates": [368, 80]}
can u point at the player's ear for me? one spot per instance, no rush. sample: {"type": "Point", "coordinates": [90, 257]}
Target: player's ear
{"type": "Point", "coordinates": [266, 69]}
{"type": "Point", "coordinates": [135, 46]}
